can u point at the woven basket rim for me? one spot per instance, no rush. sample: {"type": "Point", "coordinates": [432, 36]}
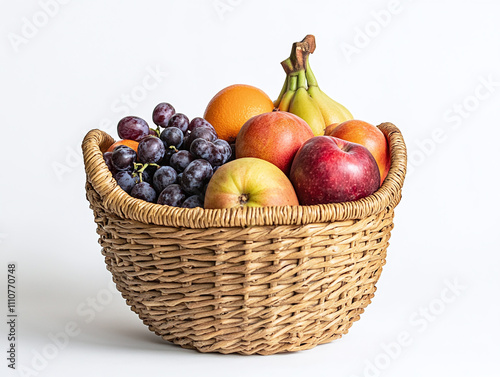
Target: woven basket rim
{"type": "Point", "coordinates": [123, 205]}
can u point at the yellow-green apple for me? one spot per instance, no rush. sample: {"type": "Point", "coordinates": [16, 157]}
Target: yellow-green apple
{"type": "Point", "coordinates": [274, 137]}
{"type": "Point", "coordinates": [249, 182]}
{"type": "Point", "coordinates": [366, 134]}
{"type": "Point", "coordinates": [330, 170]}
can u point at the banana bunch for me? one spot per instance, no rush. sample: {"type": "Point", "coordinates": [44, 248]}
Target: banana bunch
{"type": "Point", "coordinates": [301, 95]}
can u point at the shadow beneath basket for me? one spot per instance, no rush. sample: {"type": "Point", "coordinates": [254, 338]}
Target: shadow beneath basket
{"type": "Point", "coordinates": [123, 335]}
{"type": "Point", "coordinates": [137, 338]}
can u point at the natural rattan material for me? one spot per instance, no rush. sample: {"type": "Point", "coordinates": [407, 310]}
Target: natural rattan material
{"type": "Point", "coordinates": [247, 280]}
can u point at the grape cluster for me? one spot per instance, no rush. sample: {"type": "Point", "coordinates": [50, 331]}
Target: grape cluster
{"type": "Point", "coordinates": [173, 163]}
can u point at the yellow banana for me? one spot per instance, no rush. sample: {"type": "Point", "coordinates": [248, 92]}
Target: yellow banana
{"type": "Point", "coordinates": [332, 111]}
{"type": "Point", "coordinates": [306, 107]}
{"type": "Point", "coordinates": [287, 97]}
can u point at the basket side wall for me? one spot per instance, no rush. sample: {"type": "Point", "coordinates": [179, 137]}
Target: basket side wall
{"type": "Point", "coordinates": [262, 290]}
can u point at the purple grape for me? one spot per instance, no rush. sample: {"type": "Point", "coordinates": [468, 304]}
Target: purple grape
{"type": "Point", "coordinates": [199, 122]}
{"type": "Point", "coordinates": [162, 114]}
{"type": "Point", "coordinates": [180, 160]}
{"type": "Point", "coordinates": [169, 152]}
{"type": "Point", "coordinates": [149, 173]}
{"type": "Point", "coordinates": [225, 148]}
{"type": "Point", "coordinates": [207, 150]}
{"type": "Point", "coordinates": [193, 201]}
{"type": "Point", "coordinates": [179, 178]}
{"type": "Point", "coordinates": [200, 132]}
{"type": "Point", "coordinates": [172, 137]}
{"type": "Point", "coordinates": [125, 181]}
{"type": "Point", "coordinates": [150, 150]}
{"type": "Point", "coordinates": [133, 128]}
{"type": "Point", "coordinates": [144, 191]}
{"type": "Point", "coordinates": [109, 162]}
{"type": "Point", "coordinates": [164, 176]}
{"type": "Point", "coordinates": [196, 175]}
{"type": "Point", "coordinates": [179, 121]}
{"type": "Point", "coordinates": [123, 157]}
{"type": "Point", "coordinates": [152, 132]}
{"type": "Point", "coordinates": [172, 195]}
{"type": "Point", "coordinates": [217, 153]}
{"type": "Point", "coordinates": [107, 159]}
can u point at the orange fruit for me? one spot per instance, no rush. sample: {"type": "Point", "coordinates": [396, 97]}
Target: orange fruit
{"type": "Point", "coordinates": [129, 143]}
{"type": "Point", "coordinates": [233, 106]}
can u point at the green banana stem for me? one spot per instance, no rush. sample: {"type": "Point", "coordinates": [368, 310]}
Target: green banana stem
{"type": "Point", "coordinates": [287, 66]}
{"type": "Point", "coordinates": [311, 79]}
{"type": "Point", "coordinates": [292, 82]}
{"type": "Point", "coordinates": [287, 97]}
{"type": "Point", "coordinates": [301, 79]}
{"type": "Point", "coordinates": [276, 103]}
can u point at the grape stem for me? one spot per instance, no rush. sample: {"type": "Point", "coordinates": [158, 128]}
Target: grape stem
{"type": "Point", "coordinates": [139, 169]}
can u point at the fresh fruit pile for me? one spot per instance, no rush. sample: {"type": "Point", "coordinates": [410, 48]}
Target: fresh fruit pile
{"type": "Point", "coordinates": [306, 149]}
{"type": "Point", "coordinates": [171, 164]}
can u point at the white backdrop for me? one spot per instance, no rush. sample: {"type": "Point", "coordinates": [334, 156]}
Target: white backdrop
{"type": "Point", "coordinates": [430, 67]}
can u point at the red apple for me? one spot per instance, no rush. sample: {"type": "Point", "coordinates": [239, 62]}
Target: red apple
{"type": "Point", "coordinates": [366, 134]}
{"type": "Point", "coordinates": [249, 182]}
{"type": "Point", "coordinates": [330, 170]}
{"type": "Point", "coordinates": [274, 137]}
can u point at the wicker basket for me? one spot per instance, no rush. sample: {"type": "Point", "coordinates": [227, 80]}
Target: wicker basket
{"type": "Point", "coordinates": [247, 280]}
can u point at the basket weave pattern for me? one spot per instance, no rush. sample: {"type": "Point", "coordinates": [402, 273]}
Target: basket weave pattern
{"type": "Point", "coordinates": [248, 280]}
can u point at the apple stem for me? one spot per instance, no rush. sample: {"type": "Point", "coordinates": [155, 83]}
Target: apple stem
{"type": "Point", "coordinates": [243, 199]}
